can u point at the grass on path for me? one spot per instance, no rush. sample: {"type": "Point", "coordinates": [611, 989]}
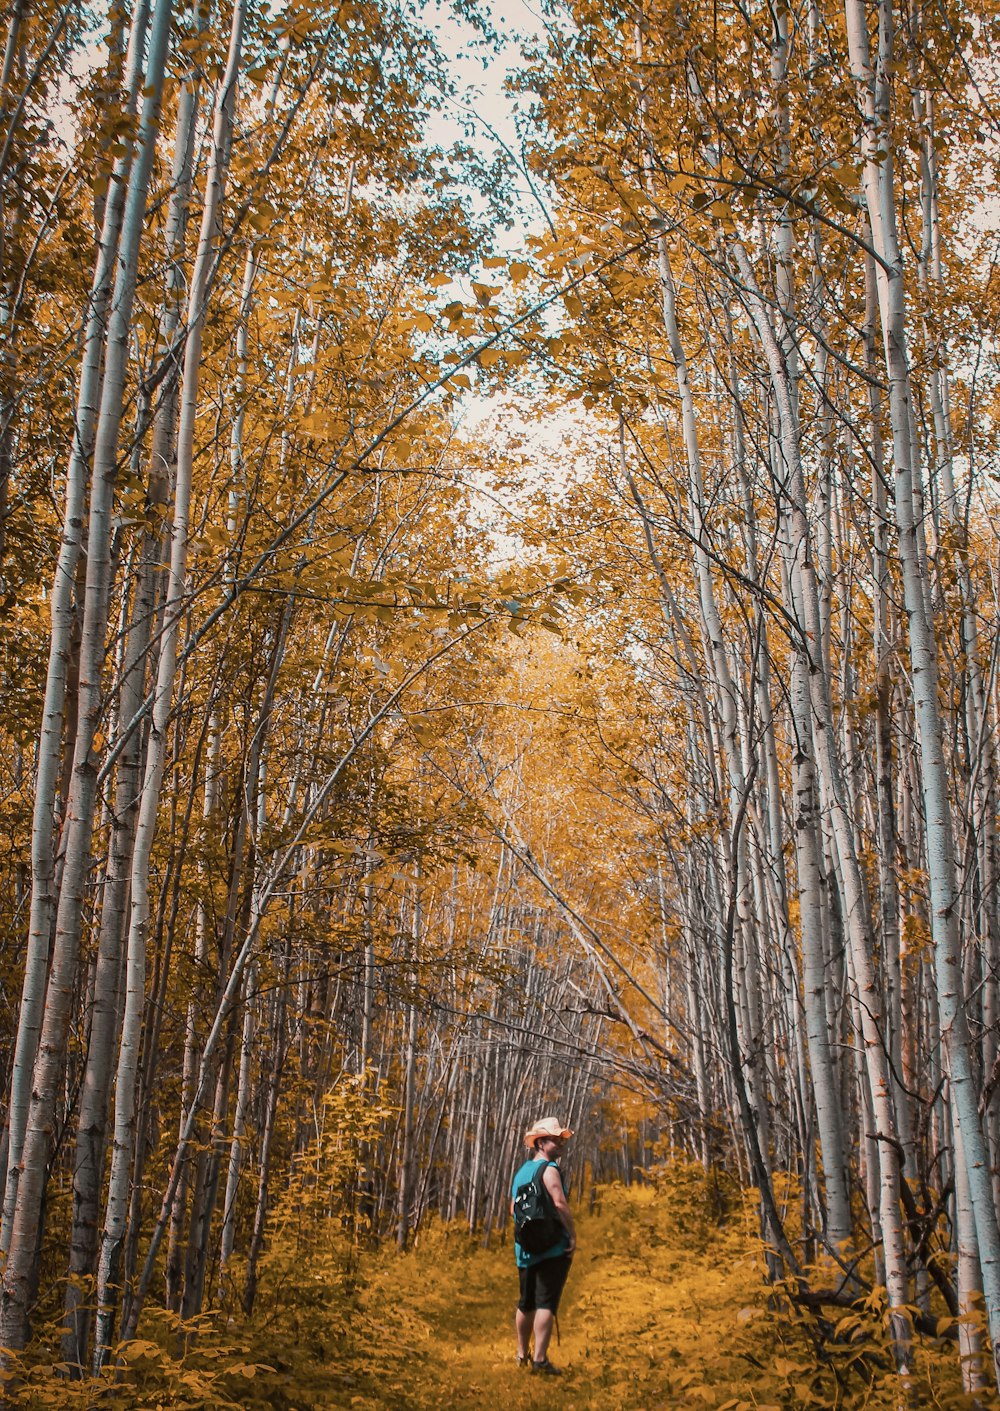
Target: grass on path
{"type": "Point", "coordinates": [660, 1311]}
{"type": "Point", "coordinates": [651, 1317]}
{"type": "Point", "coordinates": [634, 1316]}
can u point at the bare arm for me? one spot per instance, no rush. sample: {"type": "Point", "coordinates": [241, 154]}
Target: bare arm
{"type": "Point", "coordinates": [553, 1184]}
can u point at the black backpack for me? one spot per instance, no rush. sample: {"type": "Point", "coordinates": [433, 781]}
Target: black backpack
{"type": "Point", "coordinates": [536, 1225]}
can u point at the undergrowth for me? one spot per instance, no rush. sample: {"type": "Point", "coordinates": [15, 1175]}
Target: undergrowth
{"type": "Point", "coordinates": [666, 1306]}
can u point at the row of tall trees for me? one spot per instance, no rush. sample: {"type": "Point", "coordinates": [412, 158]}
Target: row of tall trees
{"type": "Point", "coordinates": [244, 577]}
{"type": "Point", "coordinates": [792, 284]}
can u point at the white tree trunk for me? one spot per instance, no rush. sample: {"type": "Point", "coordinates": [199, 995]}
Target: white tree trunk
{"type": "Point", "coordinates": [870, 1006]}
{"type": "Point", "coordinates": [135, 983]}
{"type": "Point", "coordinates": [50, 748]}
{"type": "Point", "coordinates": [49, 1062]}
{"type": "Point", "coordinates": [89, 1155]}
{"type": "Point", "coordinates": [879, 188]}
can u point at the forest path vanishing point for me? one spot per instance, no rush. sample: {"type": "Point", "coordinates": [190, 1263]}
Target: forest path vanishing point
{"type": "Point", "coordinates": [652, 1317]}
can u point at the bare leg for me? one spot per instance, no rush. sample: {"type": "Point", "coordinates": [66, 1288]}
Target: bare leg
{"type": "Point", "coordinates": [543, 1331]}
{"type": "Point", "coordinates": [523, 1322]}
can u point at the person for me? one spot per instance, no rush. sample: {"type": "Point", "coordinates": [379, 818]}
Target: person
{"type": "Point", "coordinates": [542, 1276]}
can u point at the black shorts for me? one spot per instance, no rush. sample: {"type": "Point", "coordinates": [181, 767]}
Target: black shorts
{"type": "Point", "coordinates": [542, 1284]}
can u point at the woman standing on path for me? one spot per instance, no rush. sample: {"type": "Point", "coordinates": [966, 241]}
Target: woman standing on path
{"type": "Point", "coordinates": [542, 1274]}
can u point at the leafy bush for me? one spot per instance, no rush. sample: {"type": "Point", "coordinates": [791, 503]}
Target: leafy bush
{"type": "Point", "coordinates": [695, 1202]}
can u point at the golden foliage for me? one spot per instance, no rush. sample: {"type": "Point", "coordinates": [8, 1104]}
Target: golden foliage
{"type": "Point", "coordinates": [651, 1317]}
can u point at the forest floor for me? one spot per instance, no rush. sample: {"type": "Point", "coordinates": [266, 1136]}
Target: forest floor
{"type": "Point", "coordinates": [666, 1306]}
{"type": "Point", "coordinates": [435, 1327]}
{"type": "Point", "coordinates": [653, 1316]}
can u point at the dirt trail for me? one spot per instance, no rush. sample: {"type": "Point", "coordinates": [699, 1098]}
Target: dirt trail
{"type": "Point", "coordinates": [663, 1309]}
{"type": "Point", "coordinates": [646, 1322]}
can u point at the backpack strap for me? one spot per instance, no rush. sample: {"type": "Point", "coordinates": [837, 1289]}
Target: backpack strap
{"type": "Point", "coordinates": [538, 1179]}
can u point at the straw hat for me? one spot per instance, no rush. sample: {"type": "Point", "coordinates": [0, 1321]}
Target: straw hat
{"type": "Point", "coordinates": [546, 1127]}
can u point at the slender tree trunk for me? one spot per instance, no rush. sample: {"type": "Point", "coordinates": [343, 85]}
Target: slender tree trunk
{"type": "Point", "coordinates": [125, 1085]}
{"type": "Point", "coordinates": [92, 1123]}
{"type": "Point", "coordinates": [862, 951]}
{"type": "Point", "coordinates": [28, 1190]}
{"type": "Point", "coordinates": [878, 179]}
{"type": "Point", "coordinates": [267, 1137]}
{"type": "Point", "coordinates": [404, 1211]}
{"type": "Point", "coordinates": [63, 626]}
{"type": "Point", "coordinates": [235, 1171]}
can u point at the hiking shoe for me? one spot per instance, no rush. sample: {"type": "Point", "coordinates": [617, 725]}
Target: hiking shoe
{"type": "Point", "coordinates": [546, 1369]}
{"type": "Point", "coordinates": [523, 1361]}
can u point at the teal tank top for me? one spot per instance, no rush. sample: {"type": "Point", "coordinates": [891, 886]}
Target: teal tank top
{"type": "Point", "coordinates": [521, 1178]}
